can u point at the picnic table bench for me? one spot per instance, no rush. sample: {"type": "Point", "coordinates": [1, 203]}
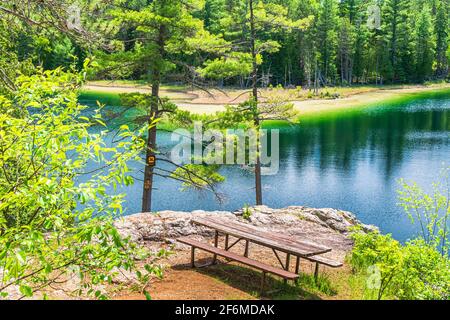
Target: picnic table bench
{"type": "Point", "coordinates": [251, 234]}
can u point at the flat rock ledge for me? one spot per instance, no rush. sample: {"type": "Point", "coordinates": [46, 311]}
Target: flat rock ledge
{"type": "Point", "coordinates": [325, 226]}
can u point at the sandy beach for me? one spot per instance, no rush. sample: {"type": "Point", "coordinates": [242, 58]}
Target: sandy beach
{"type": "Point", "coordinates": [203, 102]}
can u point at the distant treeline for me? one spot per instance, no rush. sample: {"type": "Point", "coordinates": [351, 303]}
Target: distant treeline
{"type": "Point", "coordinates": [346, 42]}
{"type": "Point", "coordinates": [352, 41]}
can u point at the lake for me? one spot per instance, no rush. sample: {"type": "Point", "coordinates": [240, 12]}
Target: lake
{"type": "Point", "coordinates": [348, 160]}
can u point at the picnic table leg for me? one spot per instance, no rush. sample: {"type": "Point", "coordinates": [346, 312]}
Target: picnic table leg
{"type": "Point", "coordinates": [297, 265]}
{"type": "Point", "coordinates": [316, 272]}
{"type": "Point", "coordinates": [226, 241]}
{"type": "Point", "coordinates": [246, 249]}
{"type": "Point", "coordinates": [288, 261]}
{"type": "Point", "coordinates": [192, 257]}
{"type": "Point", "coordinates": [263, 281]}
{"type": "Point", "coordinates": [216, 243]}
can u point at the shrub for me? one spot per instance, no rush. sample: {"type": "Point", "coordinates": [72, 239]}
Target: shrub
{"type": "Point", "coordinates": [421, 268]}
{"type": "Point", "coordinates": [431, 211]}
{"type": "Point", "coordinates": [54, 226]}
{"type": "Point", "coordinates": [246, 212]}
{"type": "Point", "coordinates": [425, 273]}
{"type": "Point", "coordinates": [414, 271]}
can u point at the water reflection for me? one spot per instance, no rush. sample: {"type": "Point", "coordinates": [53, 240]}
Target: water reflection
{"type": "Point", "coordinates": [343, 141]}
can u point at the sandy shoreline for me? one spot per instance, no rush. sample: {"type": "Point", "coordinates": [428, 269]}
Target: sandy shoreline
{"type": "Point", "coordinates": [201, 103]}
{"type": "Point", "coordinates": [368, 98]}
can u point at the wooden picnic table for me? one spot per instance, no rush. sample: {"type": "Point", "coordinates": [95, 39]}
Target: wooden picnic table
{"type": "Point", "coordinates": [272, 240]}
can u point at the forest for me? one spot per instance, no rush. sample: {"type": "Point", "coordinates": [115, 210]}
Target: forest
{"type": "Point", "coordinates": [308, 42]}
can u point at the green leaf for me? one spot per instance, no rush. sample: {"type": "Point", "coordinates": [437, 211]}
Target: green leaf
{"type": "Point", "coordinates": [147, 295]}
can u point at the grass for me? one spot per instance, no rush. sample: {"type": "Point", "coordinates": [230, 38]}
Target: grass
{"type": "Point", "coordinates": [322, 284]}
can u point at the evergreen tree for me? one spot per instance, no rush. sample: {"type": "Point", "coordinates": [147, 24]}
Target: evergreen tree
{"type": "Point", "coordinates": [165, 29]}
{"type": "Point", "coordinates": [396, 27]}
{"type": "Point", "coordinates": [346, 44]}
{"type": "Point", "coordinates": [361, 56]}
{"type": "Point", "coordinates": [423, 45]}
{"type": "Point", "coordinates": [304, 44]}
{"type": "Point", "coordinates": [326, 43]}
{"type": "Point", "coordinates": [441, 29]}
{"type": "Point", "coordinates": [213, 12]}
{"type": "Point", "coordinates": [255, 40]}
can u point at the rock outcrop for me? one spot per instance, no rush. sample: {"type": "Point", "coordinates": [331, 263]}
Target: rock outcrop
{"type": "Point", "coordinates": [327, 226]}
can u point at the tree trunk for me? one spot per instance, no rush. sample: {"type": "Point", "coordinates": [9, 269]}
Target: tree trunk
{"type": "Point", "coordinates": [258, 187]}
{"type": "Point", "coordinates": [151, 139]}
{"type": "Point", "coordinates": [151, 147]}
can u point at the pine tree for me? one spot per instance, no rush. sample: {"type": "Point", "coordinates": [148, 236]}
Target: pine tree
{"type": "Point", "coordinates": [164, 29]}
{"type": "Point", "coordinates": [213, 12]}
{"type": "Point", "coordinates": [361, 55]}
{"type": "Point", "coordinates": [326, 43]}
{"type": "Point", "coordinates": [396, 27]}
{"type": "Point", "coordinates": [441, 29]}
{"type": "Point", "coordinates": [423, 45]}
{"type": "Point", "coordinates": [350, 9]}
{"type": "Point", "coordinates": [346, 44]}
{"type": "Point", "coordinates": [255, 40]}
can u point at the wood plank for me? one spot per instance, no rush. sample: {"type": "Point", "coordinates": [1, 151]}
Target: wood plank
{"type": "Point", "coordinates": [302, 245]}
{"type": "Point", "coordinates": [268, 239]}
{"type": "Point", "coordinates": [261, 238]}
{"type": "Point", "coordinates": [235, 257]}
{"type": "Point", "coordinates": [325, 261]}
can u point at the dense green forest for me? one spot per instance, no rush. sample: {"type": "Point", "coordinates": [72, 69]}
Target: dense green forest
{"type": "Point", "coordinates": [341, 42]}
{"type": "Point", "coordinates": [409, 42]}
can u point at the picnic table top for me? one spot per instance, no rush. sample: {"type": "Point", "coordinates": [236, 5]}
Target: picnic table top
{"type": "Point", "coordinates": [277, 241]}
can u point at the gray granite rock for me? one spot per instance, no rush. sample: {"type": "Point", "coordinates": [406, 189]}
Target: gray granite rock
{"type": "Point", "coordinates": [168, 225]}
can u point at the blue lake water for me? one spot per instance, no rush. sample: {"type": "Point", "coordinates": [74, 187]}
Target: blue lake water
{"type": "Point", "coordinates": [350, 161]}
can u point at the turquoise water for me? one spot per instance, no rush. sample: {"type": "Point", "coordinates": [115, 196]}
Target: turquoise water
{"type": "Point", "coordinates": [350, 161]}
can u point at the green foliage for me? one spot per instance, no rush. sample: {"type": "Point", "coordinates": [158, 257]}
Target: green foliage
{"type": "Point", "coordinates": [157, 33]}
{"type": "Point", "coordinates": [414, 271]}
{"type": "Point", "coordinates": [299, 42]}
{"type": "Point", "coordinates": [424, 51]}
{"type": "Point", "coordinates": [421, 268]}
{"type": "Point", "coordinates": [54, 226]}
{"type": "Point", "coordinates": [327, 37]}
{"type": "Point", "coordinates": [426, 273]}
{"type": "Point", "coordinates": [441, 28]}
{"type": "Point", "coordinates": [246, 212]}
{"type": "Point", "coordinates": [269, 19]}
{"type": "Point", "coordinates": [235, 64]}
{"type": "Point", "coordinates": [430, 210]}
{"type": "Point", "coordinates": [397, 31]}
{"type": "Point", "coordinates": [380, 251]}
{"type": "Point", "coordinates": [198, 176]}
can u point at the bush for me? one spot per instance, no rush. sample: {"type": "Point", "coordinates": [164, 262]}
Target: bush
{"type": "Point", "coordinates": [426, 273]}
{"type": "Point", "coordinates": [52, 226]}
{"type": "Point", "coordinates": [430, 211]}
{"type": "Point", "coordinates": [421, 268]}
{"type": "Point", "coordinates": [414, 271]}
